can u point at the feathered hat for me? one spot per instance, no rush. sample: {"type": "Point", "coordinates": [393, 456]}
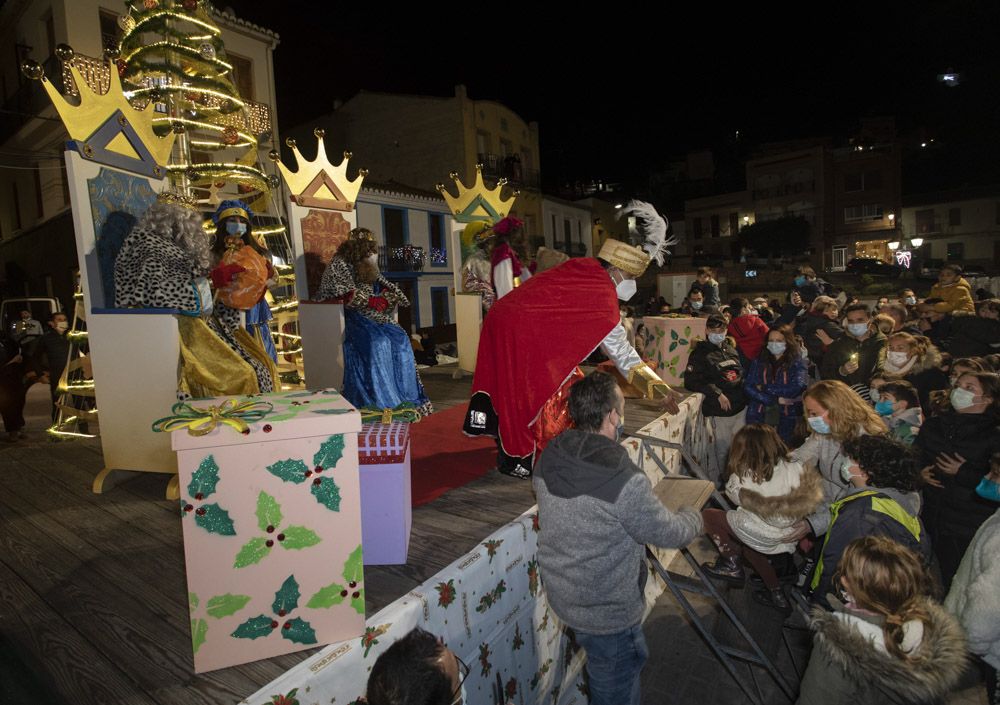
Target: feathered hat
{"type": "Point", "coordinates": [653, 227]}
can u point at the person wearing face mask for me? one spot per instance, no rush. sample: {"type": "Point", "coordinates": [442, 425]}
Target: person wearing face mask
{"type": "Point", "coordinates": [882, 500]}
{"type": "Point", "coordinates": [714, 369]}
{"type": "Point", "coordinates": [596, 513]}
{"type": "Point", "coordinates": [807, 286]}
{"type": "Point", "coordinates": [506, 269]}
{"type": "Point", "coordinates": [775, 383]}
{"type": "Point", "coordinates": [857, 357]}
{"type": "Point", "coordinates": [956, 448]}
{"type": "Point", "coordinates": [913, 359]}
{"type": "Point", "coordinates": [953, 290]}
{"type": "Point", "coordinates": [53, 354]}
{"type": "Point", "coordinates": [418, 669]}
{"type": "Point", "coordinates": [694, 305]}
{"type": "Point", "coordinates": [899, 406]}
{"type": "Point", "coordinates": [379, 368]}
{"type": "Point", "coordinates": [535, 337]}
{"type": "Point", "coordinates": [835, 414]}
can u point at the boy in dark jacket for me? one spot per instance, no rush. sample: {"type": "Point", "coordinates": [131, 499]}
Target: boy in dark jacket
{"type": "Point", "coordinates": [714, 369]}
{"type": "Point", "coordinates": [857, 357]}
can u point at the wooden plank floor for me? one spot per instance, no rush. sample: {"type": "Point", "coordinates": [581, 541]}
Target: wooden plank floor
{"type": "Point", "coordinates": [93, 605]}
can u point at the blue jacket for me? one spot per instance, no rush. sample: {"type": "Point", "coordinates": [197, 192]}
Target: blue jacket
{"type": "Point", "coordinates": [765, 382]}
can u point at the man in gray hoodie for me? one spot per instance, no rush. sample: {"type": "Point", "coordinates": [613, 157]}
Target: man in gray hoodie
{"type": "Point", "coordinates": [596, 513]}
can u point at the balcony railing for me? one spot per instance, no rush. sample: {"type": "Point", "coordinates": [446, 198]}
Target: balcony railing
{"type": "Point", "coordinates": [497, 167]}
{"type": "Point", "coordinates": [405, 258]}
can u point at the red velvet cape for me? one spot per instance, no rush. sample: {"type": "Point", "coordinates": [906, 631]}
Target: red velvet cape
{"type": "Point", "coordinates": [535, 336]}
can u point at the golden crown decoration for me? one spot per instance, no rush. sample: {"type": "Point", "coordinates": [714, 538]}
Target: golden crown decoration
{"type": "Point", "coordinates": [320, 184]}
{"type": "Point", "coordinates": [106, 128]}
{"type": "Point", "coordinates": [477, 202]}
{"type": "Point", "coordinates": [177, 198]}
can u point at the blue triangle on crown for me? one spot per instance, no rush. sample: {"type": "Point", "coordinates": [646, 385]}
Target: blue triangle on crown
{"type": "Point", "coordinates": [469, 214]}
{"type": "Point", "coordinates": [96, 149]}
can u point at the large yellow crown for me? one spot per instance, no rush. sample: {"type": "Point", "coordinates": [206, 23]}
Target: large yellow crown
{"type": "Point", "coordinates": [477, 202]}
{"type": "Point", "coordinates": [105, 127]}
{"type": "Point", "coordinates": [320, 184]}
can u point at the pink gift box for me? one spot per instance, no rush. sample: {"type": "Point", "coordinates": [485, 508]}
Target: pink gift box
{"type": "Point", "coordinates": [386, 505]}
{"type": "Point", "coordinates": [272, 529]}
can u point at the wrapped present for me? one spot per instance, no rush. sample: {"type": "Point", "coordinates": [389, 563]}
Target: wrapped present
{"type": "Point", "coordinates": [271, 514]}
{"type": "Point", "coordinates": [667, 343]}
{"type": "Point", "coordinates": [386, 504]}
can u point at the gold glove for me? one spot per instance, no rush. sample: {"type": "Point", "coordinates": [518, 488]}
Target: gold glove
{"type": "Point", "coordinates": [643, 377]}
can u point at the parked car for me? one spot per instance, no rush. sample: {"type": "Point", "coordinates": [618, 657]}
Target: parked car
{"type": "Point", "coordinates": [874, 267]}
{"type": "Point", "coordinates": [930, 269]}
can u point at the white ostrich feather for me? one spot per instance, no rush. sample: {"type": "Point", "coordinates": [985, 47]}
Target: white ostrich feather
{"type": "Point", "coordinates": [653, 228]}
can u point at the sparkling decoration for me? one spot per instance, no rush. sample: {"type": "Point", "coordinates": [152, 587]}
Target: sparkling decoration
{"type": "Point", "coordinates": [121, 65]}
{"type": "Point", "coordinates": [111, 53]}
{"type": "Point", "coordinates": [439, 256]}
{"type": "Point", "coordinates": [221, 184]}
{"type": "Point", "coordinates": [207, 51]}
{"type": "Point", "coordinates": [230, 135]}
{"type": "Point", "coordinates": [273, 181]}
{"type": "Point", "coordinates": [903, 257]}
{"type": "Point", "coordinates": [64, 52]}
{"type": "Point", "coordinates": [32, 69]}
{"type": "Point", "coordinates": [150, 4]}
{"type": "Point", "coordinates": [126, 23]}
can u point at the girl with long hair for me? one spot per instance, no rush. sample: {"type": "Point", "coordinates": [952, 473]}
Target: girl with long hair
{"type": "Point", "coordinates": [775, 383]}
{"type": "Point", "coordinates": [915, 359]}
{"type": "Point", "coordinates": [886, 642]}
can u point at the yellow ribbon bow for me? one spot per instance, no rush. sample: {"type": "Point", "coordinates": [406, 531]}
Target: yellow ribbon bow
{"type": "Point", "coordinates": [200, 422]}
{"type": "Point", "coordinates": [406, 411]}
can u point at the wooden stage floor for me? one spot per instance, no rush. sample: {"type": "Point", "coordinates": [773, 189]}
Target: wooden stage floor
{"type": "Point", "coordinates": [93, 599]}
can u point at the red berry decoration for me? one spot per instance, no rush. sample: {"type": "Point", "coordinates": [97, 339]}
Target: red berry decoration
{"type": "Point", "coordinates": [274, 625]}
{"type": "Point", "coordinates": [200, 512]}
{"type": "Point", "coordinates": [188, 507]}
{"type": "Point", "coordinates": [282, 613]}
{"type": "Point", "coordinates": [318, 468]}
{"type": "Point", "coordinates": [246, 432]}
{"type": "Point", "coordinates": [281, 537]}
{"type": "Point", "coordinates": [343, 593]}
{"type": "Point", "coordinates": [267, 428]}
{"type": "Point", "coordinates": [287, 625]}
{"type": "Point", "coordinates": [352, 585]}
{"type": "Point", "coordinates": [317, 480]}
{"type": "Point", "coordinates": [199, 496]}
{"type": "Point", "coordinates": [270, 529]}
{"type": "Point", "coordinates": [150, 4]}
{"type": "Point", "coordinates": [269, 543]}
{"type": "Point", "coordinates": [308, 473]}
{"type": "Point", "coordinates": [355, 595]}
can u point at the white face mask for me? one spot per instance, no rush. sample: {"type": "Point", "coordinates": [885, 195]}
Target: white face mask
{"type": "Point", "coordinates": [716, 338]}
{"type": "Point", "coordinates": [696, 305]}
{"type": "Point", "coordinates": [898, 358]}
{"type": "Point", "coordinates": [626, 289]}
{"type": "Point", "coordinates": [910, 301]}
{"type": "Point", "coordinates": [777, 348]}
{"type": "Point", "coordinates": [962, 398]}
{"type": "Point", "coordinates": [61, 326]}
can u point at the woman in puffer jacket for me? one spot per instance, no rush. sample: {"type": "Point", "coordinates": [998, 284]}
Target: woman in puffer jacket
{"type": "Point", "coordinates": [914, 359]}
{"type": "Point", "coordinates": [886, 642]}
{"type": "Point", "coordinates": [775, 383]}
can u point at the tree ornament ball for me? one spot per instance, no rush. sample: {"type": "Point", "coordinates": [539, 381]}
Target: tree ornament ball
{"type": "Point", "coordinates": [230, 135]}
{"type": "Point", "coordinates": [65, 52]}
{"type": "Point", "coordinates": [126, 23]}
{"type": "Point", "coordinates": [207, 51]}
{"type": "Point", "coordinates": [32, 69]}
{"type": "Point", "coordinates": [190, 5]}
{"type": "Point", "coordinates": [150, 4]}
{"type": "Point", "coordinates": [274, 181]}
{"type": "Point", "coordinates": [111, 53]}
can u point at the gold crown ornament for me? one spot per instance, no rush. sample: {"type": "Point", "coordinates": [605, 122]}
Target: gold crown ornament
{"type": "Point", "coordinates": [361, 234]}
{"type": "Point", "coordinates": [105, 128]}
{"type": "Point", "coordinates": [320, 184]}
{"type": "Point", "coordinates": [477, 202]}
{"type": "Point", "coordinates": [631, 260]}
{"type": "Point", "coordinates": [177, 198]}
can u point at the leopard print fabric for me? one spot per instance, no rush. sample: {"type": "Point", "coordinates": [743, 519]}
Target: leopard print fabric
{"type": "Point", "coordinates": [151, 272]}
{"type": "Point", "coordinates": [339, 279]}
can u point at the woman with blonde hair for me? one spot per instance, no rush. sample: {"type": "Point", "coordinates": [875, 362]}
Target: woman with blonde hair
{"type": "Point", "coordinates": [914, 359]}
{"type": "Point", "coordinates": [835, 413]}
{"type": "Point", "coordinates": [886, 642]}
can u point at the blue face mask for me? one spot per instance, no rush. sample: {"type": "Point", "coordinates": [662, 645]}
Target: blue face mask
{"type": "Point", "coordinates": [857, 329]}
{"type": "Point", "coordinates": [800, 280]}
{"type": "Point", "coordinates": [777, 349]}
{"type": "Point", "coordinates": [988, 489]}
{"type": "Point", "coordinates": [696, 305]}
{"type": "Point", "coordinates": [235, 228]}
{"type": "Point", "coordinates": [818, 424]}
{"type": "Point", "coordinates": [716, 338]}
{"type": "Point", "coordinates": [884, 408]}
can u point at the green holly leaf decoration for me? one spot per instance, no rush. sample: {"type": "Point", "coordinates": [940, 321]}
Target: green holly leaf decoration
{"type": "Point", "coordinates": [673, 346]}
{"type": "Point", "coordinates": [673, 335]}
{"type": "Point", "coordinates": [254, 628]}
{"type": "Point", "coordinates": [327, 597]}
{"type": "Point", "coordinates": [298, 632]}
{"type": "Point", "coordinates": [484, 659]}
{"type": "Point", "coordinates": [199, 630]}
{"type": "Point", "coordinates": [253, 552]}
{"type": "Point", "coordinates": [326, 492]}
{"type": "Point", "coordinates": [518, 641]}
{"type": "Point", "coordinates": [533, 577]}
{"type": "Point", "coordinates": [687, 331]}
{"type": "Point", "coordinates": [491, 547]}
{"type": "Point", "coordinates": [215, 520]}
{"type": "Point", "coordinates": [298, 537]}
{"type": "Point", "coordinates": [192, 601]}
{"type": "Point", "coordinates": [268, 511]}
{"type": "Point", "coordinates": [330, 453]}
{"type": "Point", "coordinates": [354, 568]}
{"type": "Point", "coordinates": [289, 470]}
{"type": "Point", "coordinates": [683, 341]}
{"type": "Point", "coordinates": [204, 479]}
{"type": "Point", "coordinates": [369, 639]}
{"type": "Point", "coordinates": [446, 593]}
{"type": "Point", "coordinates": [358, 603]}
{"type": "Point", "coordinates": [331, 412]}
{"type": "Point", "coordinates": [287, 597]}
{"type": "Point", "coordinates": [282, 417]}
{"type": "Point", "coordinates": [286, 699]}
{"type": "Point", "coordinates": [674, 360]}
{"type": "Point", "coordinates": [225, 605]}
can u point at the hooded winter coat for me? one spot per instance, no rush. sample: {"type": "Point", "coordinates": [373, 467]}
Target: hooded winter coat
{"type": "Point", "coordinates": [974, 596]}
{"type": "Point", "coordinates": [925, 375]}
{"type": "Point", "coordinates": [766, 381]}
{"type": "Point", "coordinates": [596, 513]}
{"type": "Point", "coordinates": [956, 297]}
{"type": "Point", "coordinates": [851, 666]}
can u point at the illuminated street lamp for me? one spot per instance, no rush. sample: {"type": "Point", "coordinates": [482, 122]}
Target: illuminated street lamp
{"type": "Point", "coordinates": [894, 245]}
{"type": "Point", "coordinates": [917, 241]}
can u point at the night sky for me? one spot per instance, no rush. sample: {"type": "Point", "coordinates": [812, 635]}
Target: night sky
{"type": "Point", "coordinates": [616, 97]}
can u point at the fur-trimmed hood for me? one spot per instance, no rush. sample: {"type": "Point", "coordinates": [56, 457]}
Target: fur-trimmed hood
{"type": "Point", "coordinates": [801, 501]}
{"type": "Point", "coordinates": [931, 360]}
{"type": "Point", "coordinates": [930, 673]}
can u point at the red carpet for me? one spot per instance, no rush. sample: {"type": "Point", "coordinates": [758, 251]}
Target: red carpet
{"type": "Point", "coordinates": [443, 458]}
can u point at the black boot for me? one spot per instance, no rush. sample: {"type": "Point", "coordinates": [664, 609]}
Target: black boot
{"type": "Point", "coordinates": [726, 568]}
{"type": "Point", "coordinates": [513, 465]}
{"type": "Point", "coordinates": [773, 598]}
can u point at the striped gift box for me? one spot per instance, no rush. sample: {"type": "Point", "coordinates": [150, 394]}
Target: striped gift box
{"type": "Point", "coordinates": [382, 444]}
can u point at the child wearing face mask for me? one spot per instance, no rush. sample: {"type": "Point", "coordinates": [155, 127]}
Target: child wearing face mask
{"type": "Point", "coordinates": [775, 383]}
{"type": "Point", "coordinates": [899, 406]}
{"type": "Point", "coordinates": [916, 360]}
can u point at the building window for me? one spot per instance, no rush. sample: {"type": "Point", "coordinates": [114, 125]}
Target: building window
{"type": "Point", "coordinates": [954, 216]}
{"type": "Point", "coordinates": [715, 226]}
{"type": "Point", "coordinates": [111, 33]}
{"type": "Point", "coordinates": [696, 227]}
{"type": "Point", "coordinates": [734, 223]}
{"type": "Point", "coordinates": [862, 181]}
{"type": "Point", "coordinates": [482, 143]}
{"type": "Point", "coordinates": [394, 227]}
{"type": "Point", "coordinates": [439, 243]}
{"type": "Point", "coordinates": [863, 212]}
{"type": "Point", "coordinates": [439, 306]}
{"type": "Point", "coordinates": [839, 261]}
{"type": "Point", "coordinates": [925, 221]}
{"type": "Point", "coordinates": [956, 251]}
{"type": "Point", "coordinates": [242, 75]}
